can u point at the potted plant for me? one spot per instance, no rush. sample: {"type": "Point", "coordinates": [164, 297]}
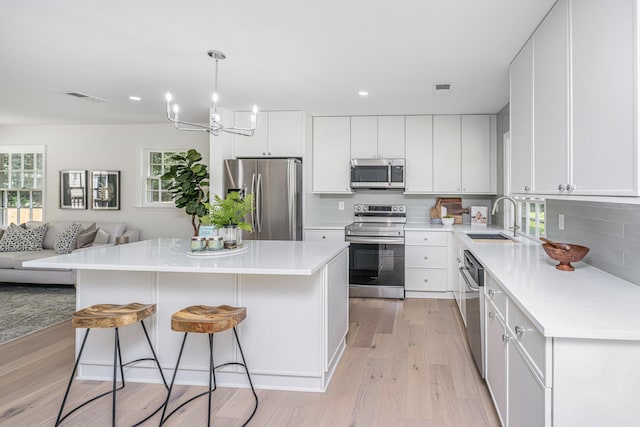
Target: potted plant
{"type": "Point", "coordinates": [228, 214]}
{"type": "Point", "coordinates": [189, 186]}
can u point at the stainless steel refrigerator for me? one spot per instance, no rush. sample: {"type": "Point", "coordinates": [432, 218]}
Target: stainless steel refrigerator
{"type": "Point", "coordinates": [276, 185]}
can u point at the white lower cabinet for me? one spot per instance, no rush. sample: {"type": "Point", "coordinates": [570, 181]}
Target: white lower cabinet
{"type": "Point", "coordinates": [456, 279]}
{"type": "Point", "coordinates": [323, 234]}
{"type": "Point", "coordinates": [496, 360]}
{"type": "Point", "coordinates": [518, 362]}
{"type": "Point", "coordinates": [427, 262]}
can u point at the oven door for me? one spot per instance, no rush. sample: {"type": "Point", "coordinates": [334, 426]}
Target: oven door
{"type": "Point", "coordinates": [376, 267]}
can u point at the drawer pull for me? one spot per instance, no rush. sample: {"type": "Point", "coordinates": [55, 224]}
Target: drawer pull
{"type": "Point", "coordinates": [505, 338]}
{"type": "Point", "coordinates": [492, 315]}
{"type": "Point", "coordinates": [426, 280]}
{"type": "Point", "coordinates": [520, 330]}
{"type": "Point", "coordinates": [324, 237]}
{"type": "Point", "coordinates": [493, 292]}
{"type": "Point", "coordinates": [426, 238]}
{"type": "Point", "coordinates": [426, 257]}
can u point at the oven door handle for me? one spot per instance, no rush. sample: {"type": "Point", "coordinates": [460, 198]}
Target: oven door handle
{"type": "Point", "coordinates": [468, 279]}
{"type": "Point", "coordinates": [375, 241]}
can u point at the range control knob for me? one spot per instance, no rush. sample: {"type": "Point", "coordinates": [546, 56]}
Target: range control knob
{"type": "Point", "coordinates": [357, 208]}
{"type": "Point", "coordinates": [394, 209]}
{"type": "Point", "coordinates": [365, 208]}
{"type": "Point", "coordinates": [402, 208]}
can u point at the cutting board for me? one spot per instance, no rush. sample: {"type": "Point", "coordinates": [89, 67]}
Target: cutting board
{"type": "Point", "coordinates": [453, 206]}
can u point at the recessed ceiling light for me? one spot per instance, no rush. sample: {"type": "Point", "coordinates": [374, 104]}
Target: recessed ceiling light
{"type": "Point", "coordinates": [363, 93]}
{"type": "Point", "coordinates": [135, 98]}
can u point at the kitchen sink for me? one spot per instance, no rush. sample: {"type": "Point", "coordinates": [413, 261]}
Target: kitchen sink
{"type": "Point", "coordinates": [493, 237]}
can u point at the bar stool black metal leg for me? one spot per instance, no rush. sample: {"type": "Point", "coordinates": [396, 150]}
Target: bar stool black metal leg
{"type": "Point", "coordinates": [212, 375]}
{"type": "Point", "coordinates": [173, 379]}
{"type": "Point", "coordinates": [116, 353]}
{"type": "Point", "coordinates": [253, 390]}
{"type": "Point", "coordinates": [73, 374]}
{"type": "Point", "coordinates": [155, 358]}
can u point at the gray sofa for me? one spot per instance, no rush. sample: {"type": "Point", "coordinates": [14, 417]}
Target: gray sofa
{"type": "Point", "coordinates": [11, 269]}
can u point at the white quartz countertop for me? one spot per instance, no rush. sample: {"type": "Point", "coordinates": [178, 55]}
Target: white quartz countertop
{"type": "Point", "coordinates": [585, 303]}
{"type": "Point", "coordinates": [172, 255]}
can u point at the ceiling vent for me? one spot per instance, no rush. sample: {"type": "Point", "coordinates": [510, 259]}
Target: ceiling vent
{"type": "Point", "coordinates": [86, 97]}
{"type": "Point", "coordinates": [442, 88]}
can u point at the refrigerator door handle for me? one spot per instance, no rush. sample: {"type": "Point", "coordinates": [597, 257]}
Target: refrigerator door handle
{"type": "Point", "coordinates": [259, 204]}
{"type": "Point", "coordinates": [291, 184]}
{"type": "Point", "coordinates": [253, 189]}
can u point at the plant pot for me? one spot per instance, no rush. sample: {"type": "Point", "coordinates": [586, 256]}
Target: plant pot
{"type": "Point", "coordinates": [230, 233]}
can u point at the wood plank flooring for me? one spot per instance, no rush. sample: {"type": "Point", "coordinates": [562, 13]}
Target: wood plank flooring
{"type": "Point", "coordinates": [406, 364]}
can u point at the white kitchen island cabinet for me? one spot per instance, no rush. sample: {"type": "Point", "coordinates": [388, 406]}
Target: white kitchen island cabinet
{"type": "Point", "coordinates": [296, 294]}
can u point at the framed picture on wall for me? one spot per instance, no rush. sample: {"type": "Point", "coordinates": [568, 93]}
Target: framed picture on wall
{"type": "Point", "coordinates": [73, 189]}
{"type": "Point", "coordinates": [105, 190]}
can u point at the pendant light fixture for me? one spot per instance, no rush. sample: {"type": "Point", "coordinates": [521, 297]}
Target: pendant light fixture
{"type": "Point", "coordinates": [215, 127]}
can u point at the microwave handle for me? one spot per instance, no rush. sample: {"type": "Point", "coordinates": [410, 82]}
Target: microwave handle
{"type": "Point", "coordinates": [389, 174]}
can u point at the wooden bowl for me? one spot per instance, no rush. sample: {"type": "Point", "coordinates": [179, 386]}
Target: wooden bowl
{"type": "Point", "coordinates": [566, 257]}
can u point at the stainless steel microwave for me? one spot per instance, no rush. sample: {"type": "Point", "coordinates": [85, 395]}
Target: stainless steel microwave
{"type": "Point", "coordinates": [377, 173]}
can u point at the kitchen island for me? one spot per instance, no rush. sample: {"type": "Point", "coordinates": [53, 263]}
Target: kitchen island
{"type": "Point", "coordinates": [296, 294]}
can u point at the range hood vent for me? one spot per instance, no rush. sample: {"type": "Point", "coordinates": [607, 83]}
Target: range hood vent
{"type": "Point", "coordinates": [442, 88]}
{"type": "Point", "coordinates": [86, 97]}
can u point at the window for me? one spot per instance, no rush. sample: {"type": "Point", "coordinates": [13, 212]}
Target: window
{"type": "Point", "coordinates": [531, 213]}
{"type": "Point", "coordinates": [155, 164]}
{"type": "Point", "coordinates": [21, 184]}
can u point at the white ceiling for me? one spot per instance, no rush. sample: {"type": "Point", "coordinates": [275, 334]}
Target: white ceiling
{"type": "Point", "coordinates": [281, 54]}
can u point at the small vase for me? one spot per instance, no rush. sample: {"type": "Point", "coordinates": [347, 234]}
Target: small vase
{"type": "Point", "coordinates": [229, 233]}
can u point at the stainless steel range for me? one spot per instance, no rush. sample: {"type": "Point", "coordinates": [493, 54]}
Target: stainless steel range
{"type": "Point", "coordinates": [376, 252]}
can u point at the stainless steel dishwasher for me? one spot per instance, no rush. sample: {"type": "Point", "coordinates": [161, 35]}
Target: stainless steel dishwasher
{"type": "Point", "coordinates": [472, 274]}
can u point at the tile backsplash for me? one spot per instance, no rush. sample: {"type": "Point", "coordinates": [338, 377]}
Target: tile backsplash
{"type": "Point", "coordinates": [610, 230]}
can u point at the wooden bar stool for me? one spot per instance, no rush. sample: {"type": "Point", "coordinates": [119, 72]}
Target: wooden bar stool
{"type": "Point", "coordinates": [202, 319]}
{"type": "Point", "coordinates": [110, 316]}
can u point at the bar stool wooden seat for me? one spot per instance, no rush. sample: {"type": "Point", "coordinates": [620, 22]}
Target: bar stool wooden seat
{"type": "Point", "coordinates": [202, 319]}
{"type": "Point", "coordinates": [112, 316]}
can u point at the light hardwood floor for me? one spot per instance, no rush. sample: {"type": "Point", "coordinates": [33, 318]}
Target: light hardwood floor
{"type": "Point", "coordinates": [407, 364]}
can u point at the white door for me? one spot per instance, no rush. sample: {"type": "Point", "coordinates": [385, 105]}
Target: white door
{"type": "Point", "coordinates": [256, 145]}
{"type": "Point", "coordinates": [604, 142]}
{"type": "Point", "coordinates": [446, 153]}
{"type": "Point", "coordinates": [286, 137]}
{"type": "Point", "coordinates": [364, 137]}
{"type": "Point", "coordinates": [391, 137]}
{"type": "Point", "coordinates": [331, 165]}
{"type": "Point", "coordinates": [521, 120]}
{"type": "Point", "coordinates": [419, 154]}
{"type": "Point", "coordinates": [550, 102]}
{"type": "Point", "coordinates": [476, 153]}
{"type": "Point", "coordinates": [528, 398]}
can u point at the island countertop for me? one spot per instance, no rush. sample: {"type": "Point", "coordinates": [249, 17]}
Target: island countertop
{"type": "Point", "coordinates": [173, 255]}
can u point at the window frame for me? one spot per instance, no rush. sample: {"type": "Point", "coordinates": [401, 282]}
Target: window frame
{"type": "Point", "coordinates": [525, 204]}
{"type": "Point", "coordinates": [144, 154]}
{"type": "Point", "coordinates": [25, 149]}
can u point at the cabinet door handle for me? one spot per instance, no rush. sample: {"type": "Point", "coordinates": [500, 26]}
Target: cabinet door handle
{"type": "Point", "coordinates": [519, 330]}
{"type": "Point", "coordinates": [324, 237]}
{"type": "Point", "coordinates": [491, 292]}
{"type": "Point", "coordinates": [264, 154]}
{"type": "Point", "coordinates": [561, 187]}
{"type": "Point", "coordinates": [459, 260]}
{"type": "Point", "coordinates": [527, 188]}
{"type": "Point", "coordinates": [505, 338]}
{"type": "Point", "coordinates": [426, 280]}
{"type": "Point", "coordinates": [426, 257]}
{"type": "Point", "coordinates": [426, 238]}
{"type": "Point", "coordinates": [269, 153]}
{"type": "Point", "coordinates": [492, 315]}
{"type": "Point", "coordinates": [570, 187]}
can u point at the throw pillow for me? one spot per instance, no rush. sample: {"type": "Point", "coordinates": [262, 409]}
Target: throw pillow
{"type": "Point", "coordinates": [102, 236]}
{"type": "Point", "coordinates": [17, 239]}
{"type": "Point", "coordinates": [66, 239]}
{"type": "Point", "coordinates": [87, 236]}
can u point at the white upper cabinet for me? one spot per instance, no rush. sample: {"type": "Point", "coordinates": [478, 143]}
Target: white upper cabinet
{"type": "Point", "coordinates": [377, 137]}
{"type": "Point", "coordinates": [550, 101]}
{"type": "Point", "coordinates": [279, 134]}
{"type": "Point", "coordinates": [256, 145]}
{"type": "Point", "coordinates": [605, 148]}
{"type": "Point", "coordinates": [331, 155]}
{"type": "Point", "coordinates": [521, 120]}
{"type": "Point", "coordinates": [364, 137]}
{"type": "Point", "coordinates": [582, 117]}
{"type": "Point", "coordinates": [286, 133]}
{"type": "Point", "coordinates": [446, 154]}
{"type": "Point", "coordinates": [391, 134]}
{"type": "Point", "coordinates": [419, 153]}
{"type": "Point", "coordinates": [476, 153]}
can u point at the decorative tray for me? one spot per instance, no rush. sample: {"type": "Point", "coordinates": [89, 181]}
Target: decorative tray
{"type": "Point", "coordinates": [223, 252]}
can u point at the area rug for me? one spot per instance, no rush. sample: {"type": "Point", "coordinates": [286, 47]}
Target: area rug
{"type": "Point", "coordinates": [28, 308]}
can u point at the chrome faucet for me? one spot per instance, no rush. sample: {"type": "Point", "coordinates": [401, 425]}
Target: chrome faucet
{"type": "Point", "coordinates": [515, 227]}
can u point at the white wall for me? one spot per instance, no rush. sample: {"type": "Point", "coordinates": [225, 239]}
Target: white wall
{"type": "Point", "coordinates": [109, 148]}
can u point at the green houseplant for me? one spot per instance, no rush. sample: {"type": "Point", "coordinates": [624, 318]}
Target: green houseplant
{"type": "Point", "coordinates": [189, 186]}
{"type": "Point", "coordinates": [230, 211]}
